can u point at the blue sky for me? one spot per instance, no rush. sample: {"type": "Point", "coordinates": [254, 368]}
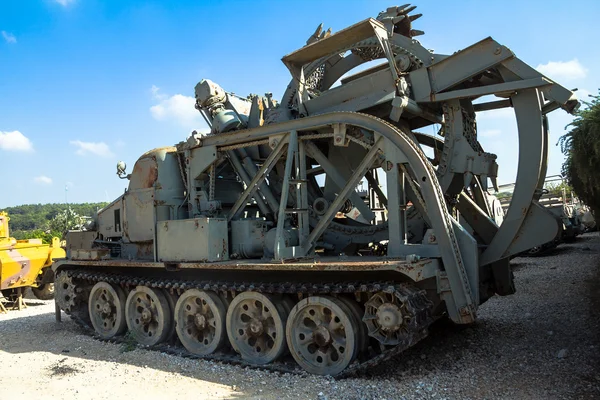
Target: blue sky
{"type": "Point", "coordinates": [85, 83]}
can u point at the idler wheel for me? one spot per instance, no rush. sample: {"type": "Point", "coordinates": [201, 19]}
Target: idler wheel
{"type": "Point", "coordinates": [200, 321]}
{"type": "Point", "coordinates": [256, 327]}
{"type": "Point", "coordinates": [323, 335]}
{"type": "Point", "coordinates": [148, 315]}
{"type": "Point", "coordinates": [106, 306]}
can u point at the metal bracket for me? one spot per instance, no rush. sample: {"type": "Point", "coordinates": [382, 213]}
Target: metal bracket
{"type": "Point", "coordinates": [339, 135]}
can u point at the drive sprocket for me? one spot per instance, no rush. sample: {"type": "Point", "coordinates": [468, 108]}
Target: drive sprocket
{"type": "Point", "coordinates": [65, 291]}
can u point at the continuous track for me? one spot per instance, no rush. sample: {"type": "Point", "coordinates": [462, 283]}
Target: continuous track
{"type": "Point", "coordinates": [418, 304]}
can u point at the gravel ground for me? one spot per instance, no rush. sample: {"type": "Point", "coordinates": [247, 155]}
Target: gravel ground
{"type": "Point", "coordinates": [541, 343]}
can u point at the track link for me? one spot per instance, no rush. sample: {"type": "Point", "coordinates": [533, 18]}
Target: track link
{"type": "Point", "coordinates": [417, 301]}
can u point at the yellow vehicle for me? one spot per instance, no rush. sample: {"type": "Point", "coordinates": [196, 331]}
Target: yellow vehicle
{"type": "Point", "coordinates": [26, 263]}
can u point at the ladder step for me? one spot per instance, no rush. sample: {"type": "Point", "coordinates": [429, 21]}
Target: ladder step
{"type": "Point", "coordinates": [295, 181]}
{"type": "Point", "coordinates": [296, 210]}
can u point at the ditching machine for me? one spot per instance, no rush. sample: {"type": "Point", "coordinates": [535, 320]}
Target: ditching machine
{"type": "Point", "coordinates": [251, 243]}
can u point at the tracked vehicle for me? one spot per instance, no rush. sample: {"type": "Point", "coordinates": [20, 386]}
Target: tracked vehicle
{"type": "Point", "coordinates": [25, 264]}
{"type": "Point", "coordinates": [252, 244]}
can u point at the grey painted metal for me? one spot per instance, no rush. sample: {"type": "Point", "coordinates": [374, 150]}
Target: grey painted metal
{"type": "Point", "coordinates": [197, 239]}
{"type": "Point", "coordinates": [241, 171]}
{"type": "Point", "coordinates": [337, 177]}
{"type": "Point", "coordinates": [396, 199]}
{"type": "Point", "coordinates": [263, 187]}
{"type": "Point", "coordinates": [460, 66]}
{"type": "Point", "coordinates": [360, 172]}
{"type": "Point", "coordinates": [259, 177]}
{"type": "Point", "coordinates": [531, 137]}
{"type": "Point", "coordinates": [292, 149]}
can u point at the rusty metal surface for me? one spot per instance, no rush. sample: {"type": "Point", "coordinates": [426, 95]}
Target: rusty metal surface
{"type": "Point", "coordinates": [145, 173]}
{"type": "Point", "coordinates": [417, 271]}
{"type": "Point", "coordinates": [139, 213]}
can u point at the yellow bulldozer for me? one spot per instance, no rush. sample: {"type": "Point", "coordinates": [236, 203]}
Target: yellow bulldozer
{"type": "Point", "coordinates": [25, 263]}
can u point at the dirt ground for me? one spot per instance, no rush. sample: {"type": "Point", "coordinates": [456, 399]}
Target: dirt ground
{"type": "Point", "coordinates": [541, 343]}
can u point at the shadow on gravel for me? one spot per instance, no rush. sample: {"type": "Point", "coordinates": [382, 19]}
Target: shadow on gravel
{"type": "Point", "coordinates": [593, 314]}
{"type": "Point", "coordinates": [28, 302]}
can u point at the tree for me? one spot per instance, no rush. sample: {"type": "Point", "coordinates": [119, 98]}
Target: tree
{"type": "Point", "coordinates": [65, 220]}
{"type": "Point", "coordinates": [33, 219]}
{"type": "Point", "coordinates": [581, 146]}
{"type": "Point", "coordinates": [556, 189]}
{"type": "Point", "coordinates": [46, 236]}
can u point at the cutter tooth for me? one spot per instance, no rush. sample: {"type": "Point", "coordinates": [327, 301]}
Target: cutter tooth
{"type": "Point", "coordinates": [400, 10]}
{"type": "Point", "coordinates": [319, 30]}
{"type": "Point", "coordinates": [416, 32]}
{"type": "Point", "coordinates": [315, 36]}
{"type": "Point", "coordinates": [407, 10]}
{"type": "Point", "coordinates": [415, 17]}
{"type": "Point", "coordinates": [398, 19]}
{"type": "Point", "coordinates": [326, 34]}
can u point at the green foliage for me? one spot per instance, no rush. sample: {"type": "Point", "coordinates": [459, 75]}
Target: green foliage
{"type": "Point", "coordinates": [46, 236]}
{"type": "Point", "coordinates": [503, 195]}
{"type": "Point", "coordinates": [129, 343]}
{"type": "Point", "coordinates": [556, 189]}
{"type": "Point", "coordinates": [65, 220]}
{"type": "Point", "coordinates": [581, 146]}
{"type": "Point", "coordinates": [43, 220]}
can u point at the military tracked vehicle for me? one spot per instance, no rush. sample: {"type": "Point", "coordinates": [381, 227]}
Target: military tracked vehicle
{"type": "Point", "coordinates": [26, 264]}
{"type": "Point", "coordinates": [251, 243]}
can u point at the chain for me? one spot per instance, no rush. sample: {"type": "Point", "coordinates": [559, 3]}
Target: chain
{"type": "Point", "coordinates": [417, 303]}
{"type": "Point", "coordinates": [356, 140]}
{"type": "Point", "coordinates": [470, 130]}
{"type": "Point", "coordinates": [443, 208]}
{"type": "Point", "coordinates": [211, 182]}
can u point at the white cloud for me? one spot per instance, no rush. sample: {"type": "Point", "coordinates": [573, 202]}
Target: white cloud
{"type": "Point", "coordinates": [100, 149]}
{"type": "Point", "coordinates": [567, 70]}
{"type": "Point", "coordinates": [9, 37]}
{"type": "Point", "coordinates": [177, 108]}
{"type": "Point", "coordinates": [15, 141]}
{"type": "Point", "coordinates": [64, 3]}
{"type": "Point", "coordinates": [43, 179]}
{"type": "Point", "coordinates": [155, 93]}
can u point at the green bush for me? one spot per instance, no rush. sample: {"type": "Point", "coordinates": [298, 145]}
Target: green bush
{"type": "Point", "coordinates": [581, 146]}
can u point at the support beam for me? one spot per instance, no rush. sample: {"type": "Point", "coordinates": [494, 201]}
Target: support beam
{"type": "Point", "coordinates": [380, 195]}
{"type": "Point", "coordinates": [360, 172]}
{"type": "Point", "coordinates": [338, 179]}
{"type": "Point", "coordinates": [239, 168]}
{"type": "Point", "coordinates": [285, 191]}
{"type": "Point", "coordinates": [259, 178]}
{"type": "Point", "coordinates": [506, 87]}
{"type": "Point", "coordinates": [264, 188]}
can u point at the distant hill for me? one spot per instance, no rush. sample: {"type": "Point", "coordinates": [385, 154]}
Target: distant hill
{"type": "Point", "coordinates": [34, 217]}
